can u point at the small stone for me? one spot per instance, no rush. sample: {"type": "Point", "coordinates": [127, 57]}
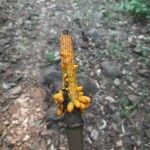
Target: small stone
{"type": "Point", "coordinates": [144, 73]}
{"type": "Point", "coordinates": [116, 117]}
{"type": "Point", "coordinates": [43, 145]}
{"type": "Point", "coordinates": [6, 85]}
{"type": "Point", "coordinates": [98, 72]}
{"type": "Point", "coordinates": [11, 140]}
{"type": "Point", "coordinates": [133, 98]}
{"type": "Point", "coordinates": [26, 138]}
{"type": "Point", "coordinates": [94, 34]}
{"type": "Point", "coordinates": [137, 50]}
{"type": "Point", "coordinates": [52, 147]}
{"type": "Point", "coordinates": [117, 82]}
{"type": "Point", "coordinates": [103, 125]}
{"type": "Point", "coordinates": [16, 90]}
{"type": "Point", "coordinates": [62, 148]}
{"type": "Point", "coordinates": [94, 134]}
{"type": "Point", "coordinates": [3, 66]}
{"type": "Point", "coordinates": [3, 42]}
{"type": "Point", "coordinates": [6, 122]}
{"type": "Point", "coordinates": [119, 143]}
{"type": "Point", "coordinates": [15, 122]}
{"type": "Point", "coordinates": [35, 145]}
{"type": "Point", "coordinates": [48, 141]}
{"type": "Point", "coordinates": [88, 140]}
{"type": "Point", "coordinates": [38, 110]}
{"type": "Point", "coordinates": [51, 114]}
{"type": "Point", "coordinates": [50, 78]}
{"type": "Point", "coordinates": [90, 88]}
{"type": "Point", "coordinates": [111, 69]}
{"type": "Point", "coordinates": [46, 133]}
{"type": "Point", "coordinates": [57, 55]}
{"type": "Point", "coordinates": [147, 132]}
{"type": "Point", "coordinates": [110, 99]}
{"type": "Point", "coordinates": [141, 37]}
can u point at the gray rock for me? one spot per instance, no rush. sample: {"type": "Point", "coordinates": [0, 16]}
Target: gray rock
{"type": "Point", "coordinates": [51, 114]}
{"type": "Point", "coordinates": [117, 82]}
{"type": "Point", "coordinates": [3, 42]}
{"type": "Point", "coordinates": [89, 86]}
{"type": "Point", "coordinates": [94, 134]}
{"type": "Point", "coordinates": [51, 79]}
{"type": "Point", "coordinates": [144, 73]}
{"type": "Point", "coordinates": [93, 33]}
{"type": "Point", "coordinates": [110, 68]}
{"type": "Point", "coordinates": [35, 145]}
{"type": "Point", "coordinates": [147, 132]}
{"type": "Point", "coordinates": [3, 66]}
{"type": "Point", "coordinates": [16, 90]}
{"type": "Point", "coordinates": [137, 50]}
{"type": "Point", "coordinates": [6, 85]}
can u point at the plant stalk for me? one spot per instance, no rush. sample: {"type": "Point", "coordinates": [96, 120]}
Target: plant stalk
{"type": "Point", "coordinates": [74, 130]}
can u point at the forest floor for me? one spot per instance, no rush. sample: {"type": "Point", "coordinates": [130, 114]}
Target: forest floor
{"type": "Point", "coordinates": [113, 54]}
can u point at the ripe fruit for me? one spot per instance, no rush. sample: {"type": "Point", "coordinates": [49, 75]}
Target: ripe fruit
{"type": "Point", "coordinates": [76, 103]}
{"type": "Point", "coordinates": [59, 112]}
{"type": "Point", "coordinates": [82, 107]}
{"type": "Point", "coordinates": [82, 99]}
{"type": "Point", "coordinates": [88, 99]}
{"type": "Point", "coordinates": [70, 107]}
{"type": "Point", "coordinates": [61, 99]}
{"type": "Point", "coordinates": [62, 107]}
{"type": "Point", "coordinates": [57, 96]}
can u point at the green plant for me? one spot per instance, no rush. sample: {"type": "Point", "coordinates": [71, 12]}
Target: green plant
{"type": "Point", "coordinates": [127, 107]}
{"type": "Point", "coordinates": [139, 9]}
{"type": "Point", "coordinates": [50, 57]}
{"type": "Point", "coordinates": [145, 55]}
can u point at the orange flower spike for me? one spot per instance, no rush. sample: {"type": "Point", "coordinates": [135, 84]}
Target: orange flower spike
{"type": "Point", "coordinates": [69, 79]}
{"type": "Point", "coordinates": [68, 65]}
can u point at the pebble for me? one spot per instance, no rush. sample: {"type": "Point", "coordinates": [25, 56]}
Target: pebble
{"type": "Point", "coordinates": [147, 132]}
{"type": "Point", "coordinates": [137, 50]}
{"type": "Point", "coordinates": [57, 55]}
{"type": "Point", "coordinates": [16, 90]}
{"type": "Point", "coordinates": [111, 69]}
{"type": "Point", "coordinates": [6, 85]}
{"type": "Point", "coordinates": [51, 114]}
{"type": "Point", "coordinates": [98, 72]}
{"type": "Point", "coordinates": [11, 140]}
{"type": "Point", "coordinates": [38, 110]}
{"type": "Point", "coordinates": [117, 81]}
{"type": "Point", "coordinates": [90, 88]}
{"type": "Point", "coordinates": [119, 143]}
{"type": "Point", "coordinates": [52, 147]}
{"type": "Point", "coordinates": [6, 122]}
{"type": "Point", "coordinates": [88, 140]}
{"type": "Point", "coordinates": [94, 134]}
{"type": "Point", "coordinates": [26, 138]}
{"type": "Point", "coordinates": [15, 122]}
{"type": "Point", "coordinates": [133, 98]}
{"type": "Point", "coordinates": [110, 99]}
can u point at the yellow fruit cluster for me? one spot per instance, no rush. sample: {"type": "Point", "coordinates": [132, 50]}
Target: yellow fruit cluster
{"type": "Point", "coordinates": [75, 93]}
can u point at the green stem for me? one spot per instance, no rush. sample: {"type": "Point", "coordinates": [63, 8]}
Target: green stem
{"type": "Point", "coordinates": [74, 130]}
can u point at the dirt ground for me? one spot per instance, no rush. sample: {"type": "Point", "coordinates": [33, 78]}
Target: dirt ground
{"type": "Point", "coordinates": [113, 54]}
